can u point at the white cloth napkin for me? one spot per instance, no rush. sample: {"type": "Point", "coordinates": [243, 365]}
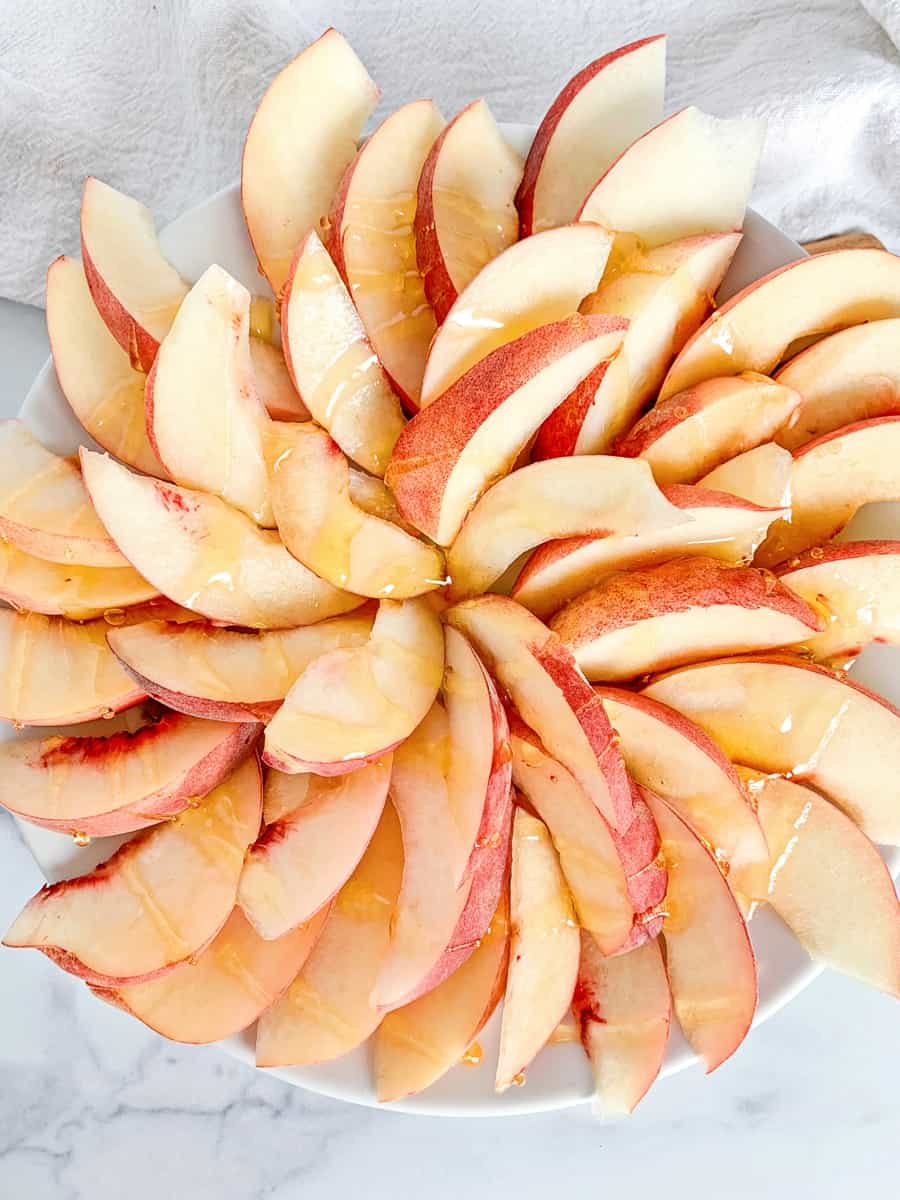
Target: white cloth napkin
{"type": "Point", "coordinates": [155, 97]}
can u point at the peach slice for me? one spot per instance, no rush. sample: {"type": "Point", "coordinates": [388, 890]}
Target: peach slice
{"type": "Point", "coordinates": [587, 851]}
{"type": "Point", "coordinates": [674, 758]}
{"type": "Point", "coordinates": [664, 294]}
{"type": "Point", "coordinates": [55, 672]}
{"type": "Point", "coordinates": [301, 139]}
{"type": "Point", "coordinates": [371, 238]}
{"type": "Point", "coordinates": [353, 705]}
{"type": "Point", "coordinates": [682, 611]}
{"type": "Point", "coordinates": [639, 850]}
{"type": "Point", "coordinates": [690, 174]}
{"type": "Point", "coordinates": [236, 978]}
{"type": "Point", "coordinates": [716, 524]}
{"type": "Point", "coordinates": [36, 585]}
{"type": "Point", "coordinates": [333, 364]}
{"type": "Point", "coordinates": [206, 555]}
{"type": "Point", "coordinates": [850, 376]}
{"type": "Point", "coordinates": [284, 794]}
{"type": "Point", "coordinates": [558, 498]}
{"type": "Point", "coordinates": [688, 435]}
{"type": "Point", "coordinates": [326, 1011]}
{"type": "Point", "coordinates": [45, 509]}
{"type": "Point", "coordinates": [452, 451]}
{"type": "Point", "coordinates": [543, 953]}
{"type": "Point", "coordinates": [551, 695]}
{"type": "Point", "coordinates": [321, 525]}
{"type": "Point", "coordinates": [829, 883]}
{"type": "Point", "coordinates": [831, 479]}
{"type": "Point", "coordinates": [761, 475]}
{"type": "Point", "coordinates": [158, 901]}
{"type": "Point", "coordinates": [534, 282]}
{"type": "Point", "coordinates": [204, 416]}
{"type": "Point", "coordinates": [623, 1008]}
{"type": "Point", "coordinates": [465, 208]}
{"type": "Point", "coordinates": [273, 381]}
{"type": "Point", "coordinates": [755, 329]}
{"type": "Point", "coordinates": [117, 784]}
{"type": "Point", "coordinates": [714, 990]}
{"type": "Point", "coordinates": [305, 857]}
{"type": "Point", "coordinates": [104, 391]}
{"type": "Point", "coordinates": [228, 674]}
{"type": "Point", "coordinates": [417, 1044]}
{"type": "Point", "coordinates": [599, 112]}
{"type": "Point", "coordinates": [855, 586]}
{"type": "Point", "coordinates": [136, 289]}
{"type": "Point", "coordinates": [788, 716]}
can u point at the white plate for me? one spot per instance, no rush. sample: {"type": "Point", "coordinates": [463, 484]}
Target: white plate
{"type": "Point", "coordinates": [214, 232]}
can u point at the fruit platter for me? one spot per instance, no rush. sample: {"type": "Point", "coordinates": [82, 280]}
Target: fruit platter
{"type": "Point", "coordinates": [449, 587]}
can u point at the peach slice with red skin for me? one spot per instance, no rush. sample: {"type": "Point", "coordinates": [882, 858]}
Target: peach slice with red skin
{"type": "Point", "coordinates": [854, 585]}
{"type": "Point", "coordinates": [598, 113]}
{"type": "Point", "coordinates": [371, 238]}
{"type": "Point", "coordinates": [709, 959]}
{"type": "Point", "coordinates": [785, 715]}
{"type": "Point", "coordinates": [332, 362]}
{"type": "Point", "coordinates": [754, 330]}
{"type": "Point", "coordinates": [326, 1011]}
{"type": "Point", "coordinates": [330, 534]}
{"type": "Point", "coordinates": [761, 475]}
{"type": "Point", "coordinates": [206, 555]}
{"type": "Point", "coordinates": [228, 674]}
{"type": "Point", "coordinates": [351, 706]}
{"type": "Point", "coordinates": [158, 901]}
{"type": "Point", "coordinates": [688, 435]}
{"type": "Point", "coordinates": [305, 857]}
{"type": "Point", "coordinates": [623, 1008]}
{"type": "Point", "coordinates": [117, 784]}
{"type": "Point", "coordinates": [302, 137]}
{"type": "Point", "coordinates": [472, 434]}
{"type": "Point", "coordinates": [685, 610]}
{"type": "Point", "coordinates": [465, 206]}
{"type": "Point", "coordinates": [639, 850]}
{"type": "Point", "coordinates": [561, 267]}
{"type": "Point", "coordinates": [235, 979]}
{"type": "Point", "coordinates": [543, 952]}
{"type": "Point", "coordinates": [55, 589]}
{"type": "Point", "coordinates": [559, 498]}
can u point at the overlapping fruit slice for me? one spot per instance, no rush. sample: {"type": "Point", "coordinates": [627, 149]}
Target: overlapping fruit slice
{"type": "Point", "coordinates": [58, 589]}
{"type": "Point", "coordinates": [761, 475]}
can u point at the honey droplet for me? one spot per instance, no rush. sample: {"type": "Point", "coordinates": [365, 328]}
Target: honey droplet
{"type": "Point", "coordinates": [80, 838]}
{"type": "Point", "coordinates": [519, 1080]}
{"type": "Point", "coordinates": [17, 725]}
{"type": "Point", "coordinates": [473, 1056]}
{"type": "Point", "coordinates": [108, 714]}
{"type": "Point", "coordinates": [115, 616]}
{"type": "Point", "coordinates": [262, 319]}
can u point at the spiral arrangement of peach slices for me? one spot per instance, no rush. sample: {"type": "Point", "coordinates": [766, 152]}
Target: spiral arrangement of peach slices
{"type": "Point", "coordinates": [507, 552]}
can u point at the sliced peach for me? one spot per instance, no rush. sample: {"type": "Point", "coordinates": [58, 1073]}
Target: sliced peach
{"type": "Point", "coordinates": [534, 282]}
{"type": "Point", "coordinates": [638, 846]}
{"type": "Point", "coordinates": [465, 208]}
{"type": "Point", "coordinates": [761, 475]}
{"type": "Point", "coordinates": [228, 674]}
{"type": "Point", "coordinates": [788, 716]}
{"type": "Point", "coordinates": [371, 238]}
{"type": "Point", "coordinates": [45, 509]}
{"type": "Point", "coordinates": [716, 524]}
{"type": "Point", "coordinates": [305, 857]}
{"type": "Point", "coordinates": [543, 953]}
{"type": "Point", "coordinates": [850, 376]}
{"type": "Point", "coordinates": [353, 705]}
{"type": "Point", "coordinates": [204, 415]}
{"type": "Point", "coordinates": [273, 381]}
{"type": "Point", "coordinates": [593, 494]}
{"type": "Point", "coordinates": [234, 980]}
{"type": "Point", "coordinates": [681, 611]}
{"type": "Point", "coordinates": [453, 450]}
{"type": "Point", "coordinates": [76, 592]}
{"type": "Point", "coordinates": [332, 362]}
{"type": "Point", "coordinates": [206, 555]}
{"type": "Point", "coordinates": [690, 174]}
{"type": "Point", "coordinates": [104, 391]}
{"type": "Point", "coordinates": [136, 289]}
{"type": "Point", "coordinates": [326, 1011]}
{"type": "Point", "coordinates": [709, 958]}
{"type": "Point", "coordinates": [754, 330]}
{"type": "Point", "coordinates": [599, 112]}
{"type": "Point", "coordinates": [284, 794]}
{"type": "Point", "coordinates": [336, 538]}
{"type": "Point", "coordinates": [623, 1007]}
{"type": "Point", "coordinates": [158, 901]}
{"type": "Point", "coordinates": [301, 138]}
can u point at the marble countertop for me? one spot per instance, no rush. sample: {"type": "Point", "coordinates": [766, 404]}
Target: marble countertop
{"type": "Point", "coordinates": [92, 1105]}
